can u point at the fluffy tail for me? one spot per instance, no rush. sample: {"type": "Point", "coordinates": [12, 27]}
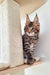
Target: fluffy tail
{"type": "Point", "coordinates": [36, 59]}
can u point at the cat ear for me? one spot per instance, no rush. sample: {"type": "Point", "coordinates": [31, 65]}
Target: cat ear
{"type": "Point", "coordinates": [36, 23]}
{"type": "Point", "coordinates": [36, 19]}
{"type": "Point", "coordinates": [27, 19]}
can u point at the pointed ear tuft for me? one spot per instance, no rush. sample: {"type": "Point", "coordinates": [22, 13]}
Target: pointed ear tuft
{"type": "Point", "coordinates": [27, 19]}
{"type": "Point", "coordinates": [36, 19]}
{"type": "Point", "coordinates": [36, 14]}
{"type": "Point", "coordinates": [27, 15]}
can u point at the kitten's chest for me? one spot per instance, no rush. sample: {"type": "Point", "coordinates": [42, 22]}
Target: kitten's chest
{"type": "Point", "coordinates": [30, 40]}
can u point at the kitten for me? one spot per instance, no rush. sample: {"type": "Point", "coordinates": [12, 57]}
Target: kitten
{"type": "Point", "coordinates": [30, 38]}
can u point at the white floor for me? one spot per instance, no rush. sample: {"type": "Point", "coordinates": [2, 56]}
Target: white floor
{"type": "Point", "coordinates": [41, 69]}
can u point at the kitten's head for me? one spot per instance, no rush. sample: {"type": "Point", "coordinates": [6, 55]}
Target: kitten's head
{"type": "Point", "coordinates": [29, 27]}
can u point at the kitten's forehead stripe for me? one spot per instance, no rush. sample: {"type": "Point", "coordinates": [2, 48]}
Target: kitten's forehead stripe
{"type": "Point", "coordinates": [30, 24]}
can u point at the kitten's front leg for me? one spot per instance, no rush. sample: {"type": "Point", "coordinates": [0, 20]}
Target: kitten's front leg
{"type": "Point", "coordinates": [30, 59]}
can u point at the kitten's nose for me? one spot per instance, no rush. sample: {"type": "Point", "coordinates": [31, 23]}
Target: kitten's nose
{"type": "Point", "coordinates": [29, 31]}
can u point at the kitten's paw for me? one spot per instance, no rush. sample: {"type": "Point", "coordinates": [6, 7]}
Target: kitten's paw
{"type": "Point", "coordinates": [30, 62]}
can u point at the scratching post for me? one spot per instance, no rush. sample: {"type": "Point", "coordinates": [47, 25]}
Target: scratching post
{"type": "Point", "coordinates": [11, 38]}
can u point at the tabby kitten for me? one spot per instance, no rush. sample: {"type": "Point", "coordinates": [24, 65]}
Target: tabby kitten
{"type": "Point", "coordinates": [30, 38]}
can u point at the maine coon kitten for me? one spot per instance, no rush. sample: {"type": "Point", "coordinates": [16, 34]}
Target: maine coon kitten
{"type": "Point", "coordinates": [30, 38]}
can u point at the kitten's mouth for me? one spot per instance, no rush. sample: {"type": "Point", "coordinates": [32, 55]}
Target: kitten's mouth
{"type": "Point", "coordinates": [30, 34]}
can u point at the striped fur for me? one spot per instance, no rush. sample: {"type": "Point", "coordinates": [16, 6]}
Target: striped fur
{"type": "Point", "coordinates": [30, 39]}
